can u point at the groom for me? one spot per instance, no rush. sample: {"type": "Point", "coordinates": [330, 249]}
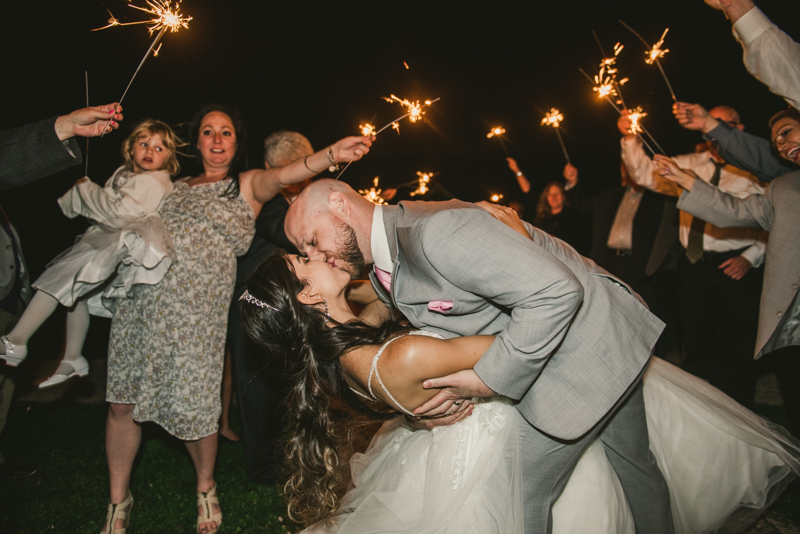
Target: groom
{"type": "Point", "coordinates": [572, 341]}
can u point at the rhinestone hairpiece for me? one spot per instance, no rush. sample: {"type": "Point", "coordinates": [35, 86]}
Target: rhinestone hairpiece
{"type": "Point", "coordinates": [252, 300]}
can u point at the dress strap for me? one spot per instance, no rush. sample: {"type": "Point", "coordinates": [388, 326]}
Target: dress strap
{"type": "Point", "coordinates": [374, 372]}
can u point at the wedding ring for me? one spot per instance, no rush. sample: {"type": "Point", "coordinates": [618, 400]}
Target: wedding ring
{"type": "Point", "coordinates": [458, 403]}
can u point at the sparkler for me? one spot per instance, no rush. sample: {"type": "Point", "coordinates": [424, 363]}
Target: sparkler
{"type": "Point", "coordinates": [366, 129]}
{"type": "Point", "coordinates": [618, 110]}
{"type": "Point", "coordinates": [553, 118]}
{"type": "Point", "coordinates": [607, 66]}
{"type": "Point", "coordinates": [635, 115]}
{"type": "Point", "coordinates": [164, 18]}
{"type": "Point", "coordinates": [373, 194]}
{"type": "Point", "coordinates": [653, 54]}
{"type": "Point", "coordinates": [423, 181]}
{"type": "Point", "coordinates": [496, 198]}
{"type": "Point", "coordinates": [415, 113]}
{"type": "Point", "coordinates": [498, 132]}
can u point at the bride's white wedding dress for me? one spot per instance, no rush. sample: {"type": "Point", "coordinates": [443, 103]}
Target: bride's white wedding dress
{"type": "Point", "coordinates": [723, 465]}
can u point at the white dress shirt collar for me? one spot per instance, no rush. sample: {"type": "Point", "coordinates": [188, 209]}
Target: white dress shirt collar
{"type": "Point", "coordinates": [381, 255]}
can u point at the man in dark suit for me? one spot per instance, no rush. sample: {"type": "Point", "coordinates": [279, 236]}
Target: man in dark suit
{"type": "Point", "coordinates": [43, 148]}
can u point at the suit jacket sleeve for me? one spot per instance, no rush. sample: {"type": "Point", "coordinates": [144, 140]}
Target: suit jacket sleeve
{"type": "Point", "coordinates": [480, 255]}
{"type": "Point", "coordinates": [747, 151]}
{"type": "Point", "coordinates": [724, 210]}
{"type": "Point", "coordinates": [34, 151]}
{"type": "Point", "coordinates": [139, 196]}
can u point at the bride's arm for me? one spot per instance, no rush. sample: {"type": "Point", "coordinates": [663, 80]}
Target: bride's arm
{"type": "Point", "coordinates": [410, 360]}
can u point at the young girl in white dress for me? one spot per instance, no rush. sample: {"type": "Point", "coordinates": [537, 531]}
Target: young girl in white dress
{"type": "Point", "coordinates": [127, 244]}
{"type": "Point", "coordinates": [723, 464]}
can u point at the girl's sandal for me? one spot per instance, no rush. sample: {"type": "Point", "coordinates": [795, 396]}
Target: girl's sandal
{"type": "Point", "coordinates": [206, 501]}
{"type": "Point", "coordinates": [118, 511]}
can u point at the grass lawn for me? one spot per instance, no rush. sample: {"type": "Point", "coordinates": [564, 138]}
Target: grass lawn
{"type": "Point", "coordinates": [69, 492]}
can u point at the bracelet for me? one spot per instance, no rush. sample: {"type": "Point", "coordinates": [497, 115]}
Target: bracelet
{"type": "Point", "coordinates": [305, 162]}
{"type": "Point", "coordinates": [334, 166]}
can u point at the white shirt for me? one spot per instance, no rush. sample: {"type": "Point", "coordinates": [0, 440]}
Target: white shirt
{"type": "Point", "coordinates": [734, 181]}
{"type": "Point", "coordinates": [381, 255]}
{"type": "Point", "coordinates": [770, 55]}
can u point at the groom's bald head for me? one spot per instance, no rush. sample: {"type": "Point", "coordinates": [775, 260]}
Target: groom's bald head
{"type": "Point", "coordinates": [330, 218]}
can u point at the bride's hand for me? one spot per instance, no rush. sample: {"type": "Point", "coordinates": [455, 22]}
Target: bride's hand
{"type": "Point", "coordinates": [428, 423]}
{"type": "Point", "coordinates": [505, 215]}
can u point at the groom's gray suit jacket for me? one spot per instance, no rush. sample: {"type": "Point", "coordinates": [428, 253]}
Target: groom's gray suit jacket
{"type": "Point", "coordinates": [571, 338]}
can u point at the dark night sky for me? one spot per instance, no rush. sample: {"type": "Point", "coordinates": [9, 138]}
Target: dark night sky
{"type": "Point", "coordinates": [321, 68]}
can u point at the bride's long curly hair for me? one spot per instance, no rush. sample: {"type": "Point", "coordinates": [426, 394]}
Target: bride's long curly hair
{"type": "Point", "coordinates": [321, 406]}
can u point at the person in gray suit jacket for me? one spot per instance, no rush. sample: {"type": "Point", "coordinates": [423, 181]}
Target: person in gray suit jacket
{"type": "Point", "coordinates": [572, 340]}
{"type": "Point", "coordinates": [776, 211]}
{"type": "Point", "coordinates": [42, 148]}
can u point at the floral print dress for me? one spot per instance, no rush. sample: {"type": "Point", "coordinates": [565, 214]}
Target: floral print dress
{"type": "Point", "coordinates": [167, 346]}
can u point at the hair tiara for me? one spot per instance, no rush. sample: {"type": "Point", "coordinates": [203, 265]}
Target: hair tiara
{"type": "Point", "coordinates": [246, 296]}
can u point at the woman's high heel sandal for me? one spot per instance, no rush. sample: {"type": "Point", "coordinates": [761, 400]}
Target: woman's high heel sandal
{"type": "Point", "coordinates": [80, 367]}
{"type": "Point", "coordinates": [206, 502]}
{"type": "Point", "coordinates": [116, 512]}
{"type": "Point", "coordinates": [14, 353]}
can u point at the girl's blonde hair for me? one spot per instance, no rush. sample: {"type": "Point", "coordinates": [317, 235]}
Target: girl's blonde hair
{"type": "Point", "coordinates": [148, 128]}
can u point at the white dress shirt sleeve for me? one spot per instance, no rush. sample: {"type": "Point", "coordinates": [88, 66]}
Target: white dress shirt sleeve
{"type": "Point", "coordinates": [770, 55]}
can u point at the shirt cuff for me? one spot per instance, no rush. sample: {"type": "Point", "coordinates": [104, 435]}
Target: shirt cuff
{"type": "Point", "coordinates": [751, 25]}
{"type": "Point", "coordinates": [755, 255]}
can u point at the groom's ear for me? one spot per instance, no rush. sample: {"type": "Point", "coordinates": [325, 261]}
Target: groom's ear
{"type": "Point", "coordinates": [339, 205]}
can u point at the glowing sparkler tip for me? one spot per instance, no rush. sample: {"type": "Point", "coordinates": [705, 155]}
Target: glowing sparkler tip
{"type": "Point", "coordinates": [656, 53]}
{"type": "Point", "coordinates": [496, 131]}
{"type": "Point", "coordinates": [373, 194]}
{"type": "Point", "coordinates": [496, 198]}
{"type": "Point", "coordinates": [635, 115]}
{"type": "Point", "coordinates": [367, 130]}
{"type": "Point", "coordinates": [553, 118]}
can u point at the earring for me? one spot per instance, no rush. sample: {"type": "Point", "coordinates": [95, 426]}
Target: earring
{"type": "Point", "coordinates": [327, 315]}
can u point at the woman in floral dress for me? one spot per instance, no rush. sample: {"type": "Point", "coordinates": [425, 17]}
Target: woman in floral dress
{"type": "Point", "coordinates": [167, 342]}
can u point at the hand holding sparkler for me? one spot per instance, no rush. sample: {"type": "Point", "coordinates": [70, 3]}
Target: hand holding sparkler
{"type": "Point", "coordinates": [571, 175]}
{"type": "Point", "coordinates": [670, 170]}
{"type": "Point", "coordinates": [88, 122]}
{"type": "Point", "coordinates": [733, 9]}
{"type": "Point", "coordinates": [694, 117]}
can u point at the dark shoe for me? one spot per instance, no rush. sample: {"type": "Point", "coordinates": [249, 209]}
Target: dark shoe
{"type": "Point", "coordinates": [15, 470]}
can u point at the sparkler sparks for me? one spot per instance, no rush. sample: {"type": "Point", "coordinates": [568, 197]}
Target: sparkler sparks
{"type": "Point", "coordinates": [635, 115]}
{"type": "Point", "coordinates": [367, 129]}
{"type": "Point", "coordinates": [656, 53]}
{"type": "Point", "coordinates": [164, 17]}
{"type": "Point", "coordinates": [496, 198]}
{"type": "Point", "coordinates": [553, 118]}
{"type": "Point", "coordinates": [373, 194]}
{"type": "Point", "coordinates": [496, 131]}
{"type": "Point", "coordinates": [422, 185]}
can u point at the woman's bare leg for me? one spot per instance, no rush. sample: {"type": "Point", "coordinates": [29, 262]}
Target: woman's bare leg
{"type": "Point", "coordinates": [204, 455]}
{"type": "Point", "coordinates": [123, 437]}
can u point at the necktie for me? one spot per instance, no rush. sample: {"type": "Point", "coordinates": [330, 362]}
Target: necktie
{"type": "Point", "coordinates": [694, 247]}
{"type": "Point", "coordinates": [384, 278]}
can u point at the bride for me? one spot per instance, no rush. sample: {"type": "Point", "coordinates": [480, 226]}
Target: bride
{"type": "Point", "coordinates": [724, 465]}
